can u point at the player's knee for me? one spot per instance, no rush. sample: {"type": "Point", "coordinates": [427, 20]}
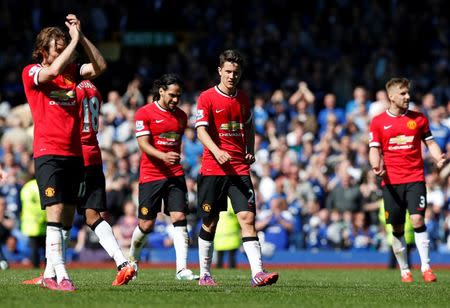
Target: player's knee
{"type": "Point", "coordinates": [246, 218]}
{"type": "Point", "coordinates": [177, 216]}
{"type": "Point", "coordinates": [417, 221]}
{"type": "Point", "coordinates": [146, 226]}
{"type": "Point", "coordinates": [55, 212]}
{"type": "Point", "coordinates": [92, 217]}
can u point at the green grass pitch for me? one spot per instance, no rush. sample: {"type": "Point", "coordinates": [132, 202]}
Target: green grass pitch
{"type": "Point", "coordinates": [295, 288]}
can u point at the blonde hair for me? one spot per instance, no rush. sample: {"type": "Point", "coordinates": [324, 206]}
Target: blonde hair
{"type": "Point", "coordinates": [401, 82]}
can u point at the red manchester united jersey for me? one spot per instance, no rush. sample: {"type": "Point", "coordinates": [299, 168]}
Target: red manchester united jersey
{"type": "Point", "coordinates": [400, 140]}
{"type": "Point", "coordinates": [165, 129]}
{"type": "Point", "coordinates": [224, 117]}
{"type": "Point", "coordinates": [55, 111]}
{"type": "Point", "coordinates": [90, 100]}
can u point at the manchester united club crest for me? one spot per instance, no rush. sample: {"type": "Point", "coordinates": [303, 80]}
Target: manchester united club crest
{"type": "Point", "coordinates": [49, 192]}
{"type": "Point", "coordinates": [144, 210]}
{"type": "Point", "coordinates": [68, 79]}
{"type": "Point", "coordinates": [206, 207]}
{"type": "Point", "coordinates": [411, 124]}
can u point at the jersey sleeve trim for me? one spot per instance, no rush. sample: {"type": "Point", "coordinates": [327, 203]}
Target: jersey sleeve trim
{"type": "Point", "coordinates": [143, 133]}
{"type": "Point", "coordinates": [201, 123]}
{"type": "Point", "coordinates": [81, 69]}
{"type": "Point", "coordinates": [374, 145]}
{"type": "Point", "coordinates": [36, 75]}
{"type": "Point", "coordinates": [427, 136]}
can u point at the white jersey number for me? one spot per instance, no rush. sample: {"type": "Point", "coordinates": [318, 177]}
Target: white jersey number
{"type": "Point", "coordinates": [90, 107]}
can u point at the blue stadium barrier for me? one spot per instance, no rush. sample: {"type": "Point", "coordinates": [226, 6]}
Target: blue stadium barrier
{"type": "Point", "coordinates": [304, 257]}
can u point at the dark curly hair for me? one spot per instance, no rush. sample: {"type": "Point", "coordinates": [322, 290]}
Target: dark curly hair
{"type": "Point", "coordinates": [164, 82]}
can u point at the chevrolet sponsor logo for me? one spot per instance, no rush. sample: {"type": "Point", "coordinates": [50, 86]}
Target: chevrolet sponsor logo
{"type": "Point", "coordinates": [233, 126]}
{"type": "Point", "coordinates": [170, 136]}
{"type": "Point", "coordinates": [62, 95]}
{"type": "Point", "coordinates": [401, 139]}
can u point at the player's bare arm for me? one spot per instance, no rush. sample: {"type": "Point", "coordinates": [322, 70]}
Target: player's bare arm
{"type": "Point", "coordinates": [376, 161]}
{"type": "Point", "coordinates": [98, 64]}
{"type": "Point", "coordinates": [435, 151]}
{"type": "Point", "coordinates": [170, 158]}
{"type": "Point", "coordinates": [221, 156]}
{"type": "Point", "coordinates": [250, 141]}
{"type": "Point", "coordinates": [58, 56]}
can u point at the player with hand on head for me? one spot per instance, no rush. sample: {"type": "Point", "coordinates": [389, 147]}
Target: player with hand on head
{"type": "Point", "coordinates": [93, 202]}
{"type": "Point", "coordinates": [50, 88]}
{"type": "Point", "coordinates": [225, 127]}
{"type": "Point", "coordinates": [395, 155]}
{"type": "Point", "coordinates": [160, 126]}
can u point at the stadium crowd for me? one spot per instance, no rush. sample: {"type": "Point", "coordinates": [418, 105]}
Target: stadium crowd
{"type": "Point", "coordinates": [315, 77]}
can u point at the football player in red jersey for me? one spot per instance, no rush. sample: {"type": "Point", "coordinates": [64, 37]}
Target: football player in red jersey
{"type": "Point", "coordinates": [94, 200]}
{"type": "Point", "coordinates": [395, 155]}
{"type": "Point", "coordinates": [50, 90]}
{"type": "Point", "coordinates": [225, 127]}
{"type": "Point", "coordinates": [160, 127]}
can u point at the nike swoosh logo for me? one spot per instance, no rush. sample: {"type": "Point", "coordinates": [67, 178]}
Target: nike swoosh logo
{"type": "Point", "coordinates": [159, 121]}
{"type": "Point", "coordinates": [387, 127]}
{"type": "Point", "coordinates": [218, 111]}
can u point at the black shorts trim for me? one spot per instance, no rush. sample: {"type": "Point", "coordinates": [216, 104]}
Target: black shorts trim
{"type": "Point", "coordinates": [398, 198]}
{"type": "Point", "coordinates": [59, 179]}
{"type": "Point", "coordinates": [213, 192]}
{"type": "Point", "coordinates": [172, 191]}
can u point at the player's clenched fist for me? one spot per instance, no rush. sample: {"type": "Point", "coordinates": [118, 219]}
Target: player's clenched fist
{"type": "Point", "coordinates": [171, 158]}
{"type": "Point", "coordinates": [222, 157]}
{"type": "Point", "coordinates": [249, 158]}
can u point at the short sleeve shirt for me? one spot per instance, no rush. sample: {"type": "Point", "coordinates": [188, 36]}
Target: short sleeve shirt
{"type": "Point", "coordinates": [400, 140]}
{"type": "Point", "coordinates": [165, 129]}
{"type": "Point", "coordinates": [55, 111]}
{"type": "Point", "coordinates": [225, 117]}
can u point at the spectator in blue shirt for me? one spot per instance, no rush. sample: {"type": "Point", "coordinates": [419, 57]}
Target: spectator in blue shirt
{"type": "Point", "coordinates": [280, 113]}
{"type": "Point", "coordinates": [360, 96]}
{"type": "Point", "coordinates": [277, 223]}
{"type": "Point", "coordinates": [329, 101]}
{"type": "Point", "coordinates": [361, 236]}
{"type": "Point", "coordinates": [316, 231]}
{"type": "Point", "coordinates": [441, 133]}
{"type": "Point", "coordinates": [192, 149]}
{"type": "Point", "coordinates": [260, 115]}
